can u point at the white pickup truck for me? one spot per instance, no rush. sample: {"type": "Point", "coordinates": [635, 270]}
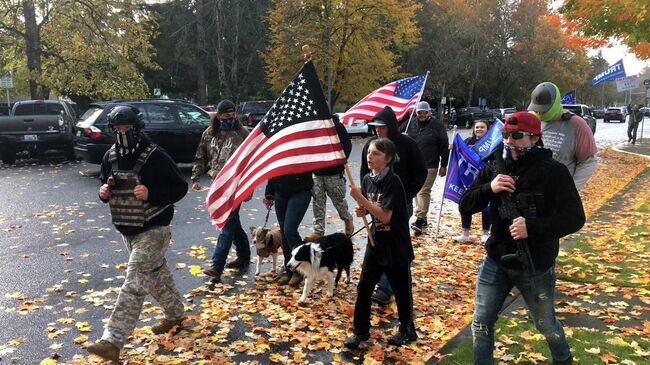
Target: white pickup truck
{"type": "Point", "coordinates": [36, 126]}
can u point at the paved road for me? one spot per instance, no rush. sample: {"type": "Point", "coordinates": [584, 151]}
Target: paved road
{"type": "Point", "coordinates": [57, 244]}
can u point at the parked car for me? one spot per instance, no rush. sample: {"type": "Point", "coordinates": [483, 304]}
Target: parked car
{"type": "Point", "coordinates": [174, 125]}
{"type": "Point", "coordinates": [358, 128]}
{"type": "Point", "coordinates": [598, 112]}
{"type": "Point", "coordinates": [465, 117]}
{"type": "Point", "coordinates": [614, 113]}
{"type": "Point", "coordinates": [583, 111]}
{"type": "Point", "coordinates": [37, 126]}
{"type": "Point", "coordinates": [252, 112]}
{"type": "Point", "coordinates": [504, 113]}
{"type": "Point", "coordinates": [645, 111]}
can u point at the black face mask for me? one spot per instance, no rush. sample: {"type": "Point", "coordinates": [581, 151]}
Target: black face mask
{"type": "Point", "coordinates": [227, 124]}
{"type": "Point", "coordinates": [127, 142]}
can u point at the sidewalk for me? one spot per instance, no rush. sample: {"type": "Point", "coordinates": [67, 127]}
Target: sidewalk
{"type": "Point", "coordinates": [602, 287]}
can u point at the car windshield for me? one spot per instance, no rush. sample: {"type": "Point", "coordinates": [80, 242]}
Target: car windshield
{"type": "Point", "coordinates": [257, 107]}
{"type": "Point", "coordinates": [190, 114]}
{"type": "Point", "coordinates": [574, 109]}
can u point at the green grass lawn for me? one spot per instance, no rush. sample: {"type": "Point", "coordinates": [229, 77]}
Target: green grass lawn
{"type": "Point", "coordinates": [518, 342]}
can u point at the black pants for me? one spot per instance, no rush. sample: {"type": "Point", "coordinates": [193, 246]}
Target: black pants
{"type": "Point", "coordinates": [399, 279]}
{"type": "Point", "coordinates": [631, 131]}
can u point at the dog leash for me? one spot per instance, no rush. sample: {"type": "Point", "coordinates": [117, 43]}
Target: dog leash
{"type": "Point", "coordinates": [266, 219]}
{"type": "Point", "coordinates": [346, 238]}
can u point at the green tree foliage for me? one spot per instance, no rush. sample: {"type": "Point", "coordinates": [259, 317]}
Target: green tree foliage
{"type": "Point", "coordinates": [94, 48]}
{"type": "Point", "coordinates": [368, 38]}
{"type": "Point", "coordinates": [234, 37]}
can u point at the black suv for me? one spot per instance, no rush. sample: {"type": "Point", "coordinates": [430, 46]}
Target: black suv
{"type": "Point", "coordinates": [174, 125]}
{"type": "Point", "coordinates": [252, 112]}
{"type": "Point", "coordinates": [465, 117]}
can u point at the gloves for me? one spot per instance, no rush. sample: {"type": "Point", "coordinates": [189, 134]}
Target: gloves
{"type": "Point", "coordinates": [268, 201]}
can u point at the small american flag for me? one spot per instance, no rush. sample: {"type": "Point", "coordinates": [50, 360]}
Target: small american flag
{"type": "Point", "coordinates": [400, 95]}
{"type": "Point", "coordinates": [296, 135]}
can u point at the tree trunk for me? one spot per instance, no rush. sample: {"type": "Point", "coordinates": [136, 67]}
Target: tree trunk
{"type": "Point", "coordinates": [234, 78]}
{"type": "Point", "coordinates": [201, 55]}
{"type": "Point", "coordinates": [33, 51]}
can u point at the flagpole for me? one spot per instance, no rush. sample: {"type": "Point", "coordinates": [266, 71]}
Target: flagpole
{"type": "Point", "coordinates": [442, 202]}
{"type": "Point", "coordinates": [416, 104]}
{"type": "Point", "coordinates": [307, 53]}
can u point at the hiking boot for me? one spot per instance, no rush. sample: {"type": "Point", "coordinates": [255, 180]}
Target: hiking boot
{"type": "Point", "coordinates": [354, 341]}
{"type": "Point", "coordinates": [401, 338]}
{"type": "Point", "coordinates": [349, 227]}
{"type": "Point", "coordinates": [105, 350]}
{"type": "Point", "coordinates": [165, 325]}
{"type": "Point", "coordinates": [296, 279]}
{"type": "Point", "coordinates": [238, 263]}
{"type": "Point", "coordinates": [381, 298]}
{"type": "Point", "coordinates": [313, 237]}
{"type": "Point", "coordinates": [419, 226]}
{"type": "Point", "coordinates": [213, 273]}
{"type": "Point", "coordinates": [284, 278]}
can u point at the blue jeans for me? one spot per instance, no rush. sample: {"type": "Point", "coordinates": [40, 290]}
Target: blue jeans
{"type": "Point", "coordinates": [493, 285]}
{"type": "Point", "coordinates": [384, 286]}
{"type": "Point", "coordinates": [231, 233]}
{"type": "Point", "coordinates": [290, 208]}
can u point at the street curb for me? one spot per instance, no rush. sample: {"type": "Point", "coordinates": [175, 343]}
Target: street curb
{"type": "Point", "coordinates": [617, 148]}
{"type": "Point", "coordinates": [466, 332]}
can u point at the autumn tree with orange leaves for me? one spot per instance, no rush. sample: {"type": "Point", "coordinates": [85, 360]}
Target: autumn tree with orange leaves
{"type": "Point", "coordinates": [626, 19]}
{"type": "Point", "coordinates": [367, 40]}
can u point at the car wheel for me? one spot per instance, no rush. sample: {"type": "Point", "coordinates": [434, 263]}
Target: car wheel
{"type": "Point", "coordinates": [9, 157]}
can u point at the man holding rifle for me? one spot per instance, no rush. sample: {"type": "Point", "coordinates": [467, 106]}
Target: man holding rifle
{"type": "Point", "coordinates": [533, 203]}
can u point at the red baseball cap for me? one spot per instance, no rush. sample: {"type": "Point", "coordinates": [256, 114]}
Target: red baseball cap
{"type": "Point", "coordinates": [525, 122]}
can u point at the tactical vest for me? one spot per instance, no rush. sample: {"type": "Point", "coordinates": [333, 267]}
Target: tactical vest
{"type": "Point", "coordinates": [126, 210]}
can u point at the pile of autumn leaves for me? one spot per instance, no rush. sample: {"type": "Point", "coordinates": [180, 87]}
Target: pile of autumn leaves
{"type": "Point", "coordinates": [253, 320]}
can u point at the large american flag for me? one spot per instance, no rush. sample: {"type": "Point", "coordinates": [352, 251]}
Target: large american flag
{"type": "Point", "coordinates": [400, 95]}
{"type": "Point", "coordinates": [296, 135]}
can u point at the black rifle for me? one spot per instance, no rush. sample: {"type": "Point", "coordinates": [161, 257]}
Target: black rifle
{"type": "Point", "coordinates": [509, 210]}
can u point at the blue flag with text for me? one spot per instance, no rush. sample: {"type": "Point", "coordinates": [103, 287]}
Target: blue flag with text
{"type": "Point", "coordinates": [464, 166]}
{"type": "Point", "coordinates": [569, 98]}
{"type": "Point", "coordinates": [490, 141]}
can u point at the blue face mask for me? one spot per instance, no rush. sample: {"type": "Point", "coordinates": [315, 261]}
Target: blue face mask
{"type": "Point", "coordinates": [127, 141]}
{"type": "Point", "coordinates": [227, 124]}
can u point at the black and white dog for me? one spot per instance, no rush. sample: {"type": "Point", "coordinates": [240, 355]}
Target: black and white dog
{"type": "Point", "coordinates": [315, 259]}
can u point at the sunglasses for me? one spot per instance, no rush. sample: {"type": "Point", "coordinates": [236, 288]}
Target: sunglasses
{"type": "Point", "coordinates": [515, 134]}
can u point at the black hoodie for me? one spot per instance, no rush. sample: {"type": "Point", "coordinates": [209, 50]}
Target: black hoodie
{"type": "Point", "coordinates": [409, 164]}
{"type": "Point", "coordinates": [556, 212]}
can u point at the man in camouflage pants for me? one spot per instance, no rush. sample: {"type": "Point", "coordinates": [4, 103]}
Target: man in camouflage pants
{"type": "Point", "coordinates": [141, 183]}
{"type": "Point", "coordinates": [330, 182]}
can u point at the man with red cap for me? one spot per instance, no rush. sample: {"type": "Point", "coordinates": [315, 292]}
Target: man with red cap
{"type": "Point", "coordinates": [533, 203]}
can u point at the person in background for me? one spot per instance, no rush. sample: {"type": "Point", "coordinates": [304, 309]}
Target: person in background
{"type": "Point", "coordinates": [566, 134]}
{"type": "Point", "coordinates": [431, 137]}
{"type": "Point", "coordinates": [478, 131]}
{"type": "Point", "coordinates": [331, 182]}
{"type": "Point", "coordinates": [635, 117]}
{"type": "Point", "coordinates": [218, 142]}
{"type": "Point", "coordinates": [291, 195]}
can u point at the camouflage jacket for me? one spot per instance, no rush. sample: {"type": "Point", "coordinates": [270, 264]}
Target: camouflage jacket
{"type": "Point", "coordinates": [213, 152]}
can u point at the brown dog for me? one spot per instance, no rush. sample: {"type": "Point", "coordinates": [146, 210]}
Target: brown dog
{"type": "Point", "coordinates": [267, 241]}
